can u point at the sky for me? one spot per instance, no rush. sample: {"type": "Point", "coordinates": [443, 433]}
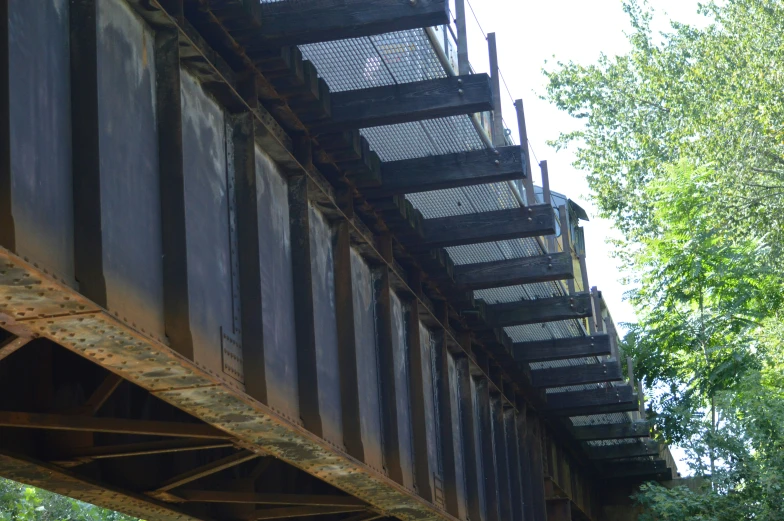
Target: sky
{"type": "Point", "coordinates": [531, 35]}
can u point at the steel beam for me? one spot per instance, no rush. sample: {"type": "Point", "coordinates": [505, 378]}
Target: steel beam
{"type": "Point", "coordinates": [109, 425]}
{"type": "Point", "coordinates": [231, 496]}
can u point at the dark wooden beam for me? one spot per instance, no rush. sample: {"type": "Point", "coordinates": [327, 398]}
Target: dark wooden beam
{"type": "Point", "coordinates": [626, 450]}
{"type": "Point", "coordinates": [285, 512]}
{"type": "Point", "coordinates": [637, 469]}
{"type": "Point", "coordinates": [525, 270]}
{"type": "Point", "coordinates": [406, 102]}
{"type": "Point", "coordinates": [110, 425]}
{"type": "Point", "coordinates": [538, 310]}
{"type": "Point", "coordinates": [447, 171]}
{"type": "Point", "coordinates": [612, 431]}
{"type": "Point", "coordinates": [595, 401]}
{"type": "Point", "coordinates": [474, 228]}
{"type": "Point", "coordinates": [577, 375]}
{"type": "Point", "coordinates": [215, 496]}
{"type": "Point", "coordinates": [561, 348]}
{"type": "Point", "coordinates": [487, 452]}
{"type": "Point", "coordinates": [311, 21]}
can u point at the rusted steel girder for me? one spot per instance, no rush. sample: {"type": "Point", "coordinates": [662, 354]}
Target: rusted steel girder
{"type": "Point", "coordinates": [52, 309]}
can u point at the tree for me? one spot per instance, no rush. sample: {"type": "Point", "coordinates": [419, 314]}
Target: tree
{"type": "Point", "coordinates": [709, 95]}
{"type": "Point", "coordinates": [20, 502]}
{"type": "Point", "coordinates": [683, 144]}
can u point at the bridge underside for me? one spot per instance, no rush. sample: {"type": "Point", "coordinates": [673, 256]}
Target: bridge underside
{"type": "Point", "coordinates": [228, 292]}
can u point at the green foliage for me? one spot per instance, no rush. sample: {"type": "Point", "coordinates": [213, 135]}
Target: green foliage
{"type": "Point", "coordinates": [683, 142]}
{"type": "Point", "coordinates": [20, 502]}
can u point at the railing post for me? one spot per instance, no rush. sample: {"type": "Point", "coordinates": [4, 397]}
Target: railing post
{"type": "Point", "coordinates": [565, 241]}
{"type": "Point", "coordinates": [462, 39]}
{"type": "Point", "coordinates": [547, 200]}
{"type": "Point", "coordinates": [528, 181]}
{"type": "Point", "coordinates": [597, 307]}
{"type": "Point", "coordinates": [499, 139]}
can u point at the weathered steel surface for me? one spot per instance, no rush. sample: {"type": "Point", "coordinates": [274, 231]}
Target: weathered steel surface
{"type": "Point", "coordinates": [280, 354]}
{"type": "Point", "coordinates": [59, 481]}
{"type": "Point", "coordinates": [322, 259]}
{"type": "Point", "coordinates": [180, 382]}
{"type": "Point", "coordinates": [130, 204]}
{"type": "Point", "coordinates": [36, 221]}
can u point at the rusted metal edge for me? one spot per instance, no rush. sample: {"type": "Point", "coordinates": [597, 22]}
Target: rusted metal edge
{"type": "Point", "coordinates": [42, 475]}
{"type": "Point", "coordinates": [120, 348]}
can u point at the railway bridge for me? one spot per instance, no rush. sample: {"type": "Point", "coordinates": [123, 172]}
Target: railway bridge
{"type": "Point", "coordinates": [283, 259]}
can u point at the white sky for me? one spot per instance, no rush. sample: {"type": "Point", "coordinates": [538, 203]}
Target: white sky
{"type": "Point", "coordinates": [532, 32]}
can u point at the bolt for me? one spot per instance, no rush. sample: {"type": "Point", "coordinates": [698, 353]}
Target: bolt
{"type": "Point", "coordinates": [549, 266]}
{"type": "Point", "coordinates": [460, 91]}
{"type": "Point", "coordinates": [459, 81]}
{"type": "Point", "coordinates": [497, 163]}
{"type": "Point", "coordinates": [412, 2]}
{"type": "Point", "coordinates": [530, 219]}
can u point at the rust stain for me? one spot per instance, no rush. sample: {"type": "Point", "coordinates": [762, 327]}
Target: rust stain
{"type": "Point", "coordinates": [147, 362]}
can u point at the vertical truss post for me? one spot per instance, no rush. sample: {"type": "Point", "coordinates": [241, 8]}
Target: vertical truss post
{"type": "Point", "coordinates": [463, 66]}
{"type": "Point", "coordinates": [389, 412]}
{"type": "Point", "coordinates": [85, 130]}
{"type": "Point", "coordinates": [514, 456]}
{"type": "Point", "coordinates": [499, 139]}
{"type": "Point", "coordinates": [528, 181]}
{"type": "Point", "coordinates": [172, 173]}
{"type": "Point", "coordinates": [466, 399]}
{"type": "Point", "coordinates": [488, 450]}
{"type": "Point", "coordinates": [249, 256]}
{"type": "Point", "coordinates": [535, 453]}
{"type": "Point", "coordinates": [502, 457]}
{"type": "Point", "coordinates": [445, 424]}
{"type": "Point", "coordinates": [301, 261]}
{"type": "Point", "coordinates": [7, 231]}
{"type": "Point", "coordinates": [586, 285]}
{"type": "Point", "coordinates": [422, 469]}
{"type": "Point", "coordinates": [347, 343]}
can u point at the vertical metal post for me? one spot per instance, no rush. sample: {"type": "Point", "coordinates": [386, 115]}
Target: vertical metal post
{"type": "Point", "coordinates": [563, 219]}
{"type": "Point", "coordinates": [422, 470]}
{"type": "Point", "coordinates": [249, 256]}
{"type": "Point", "coordinates": [488, 459]}
{"type": "Point", "coordinates": [385, 328]}
{"type": "Point", "coordinates": [466, 400]}
{"type": "Point", "coordinates": [597, 309]}
{"type": "Point", "coordinates": [7, 231]}
{"type": "Point", "coordinates": [347, 342]}
{"type": "Point", "coordinates": [463, 66]}
{"type": "Point", "coordinates": [495, 84]}
{"type": "Point", "coordinates": [528, 181]}
{"type": "Point", "coordinates": [172, 181]}
{"type": "Point", "coordinates": [513, 436]}
{"type": "Point", "coordinates": [301, 261]}
{"type": "Point", "coordinates": [445, 413]}
{"type": "Point", "coordinates": [547, 196]}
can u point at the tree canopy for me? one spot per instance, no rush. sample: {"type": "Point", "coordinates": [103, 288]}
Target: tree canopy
{"type": "Point", "coordinates": [20, 502]}
{"type": "Point", "coordinates": [683, 146]}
